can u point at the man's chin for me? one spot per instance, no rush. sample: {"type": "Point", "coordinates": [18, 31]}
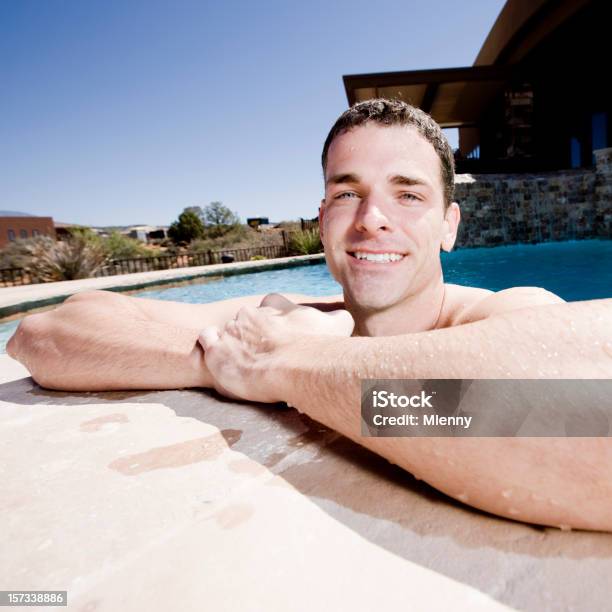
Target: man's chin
{"type": "Point", "coordinates": [371, 301]}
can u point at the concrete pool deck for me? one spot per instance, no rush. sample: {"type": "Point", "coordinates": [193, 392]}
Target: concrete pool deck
{"type": "Point", "coordinates": [177, 500]}
{"type": "Point", "coordinates": [15, 300]}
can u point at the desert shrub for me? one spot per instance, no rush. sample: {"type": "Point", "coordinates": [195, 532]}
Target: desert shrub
{"type": "Point", "coordinates": [305, 242]}
{"type": "Point", "coordinates": [119, 246]}
{"type": "Point", "coordinates": [44, 258]}
{"type": "Point", "coordinates": [237, 236]}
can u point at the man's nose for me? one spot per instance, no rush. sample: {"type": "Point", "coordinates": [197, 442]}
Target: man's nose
{"type": "Point", "coordinates": [371, 218]}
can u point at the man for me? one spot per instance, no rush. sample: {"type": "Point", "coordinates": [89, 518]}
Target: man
{"type": "Point", "coordinates": [386, 214]}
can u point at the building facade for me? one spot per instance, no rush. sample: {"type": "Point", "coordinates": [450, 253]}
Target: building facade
{"type": "Point", "coordinates": [536, 98]}
{"type": "Point", "coordinates": [15, 228]}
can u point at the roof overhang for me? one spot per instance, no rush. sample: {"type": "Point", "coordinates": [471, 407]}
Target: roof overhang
{"type": "Point", "coordinates": [454, 97]}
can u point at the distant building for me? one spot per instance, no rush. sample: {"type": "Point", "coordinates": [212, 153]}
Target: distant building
{"type": "Point", "coordinates": [255, 222]}
{"type": "Point", "coordinates": [146, 233]}
{"type": "Point", "coordinates": [62, 230]}
{"type": "Point", "coordinates": [14, 227]}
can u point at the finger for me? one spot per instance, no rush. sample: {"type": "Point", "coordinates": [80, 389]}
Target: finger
{"type": "Point", "coordinates": [245, 314]}
{"type": "Point", "coordinates": [208, 337]}
{"type": "Point", "coordinates": [231, 327]}
{"type": "Point", "coordinates": [278, 301]}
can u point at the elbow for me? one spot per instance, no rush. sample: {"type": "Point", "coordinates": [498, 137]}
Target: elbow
{"type": "Point", "coordinates": [33, 345]}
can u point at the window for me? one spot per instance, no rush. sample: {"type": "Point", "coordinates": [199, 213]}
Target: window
{"type": "Point", "coordinates": [474, 153]}
{"type": "Point", "coordinates": [599, 131]}
{"type": "Point", "coordinates": [575, 153]}
{"type": "Point", "coordinates": [11, 235]}
{"type": "Point", "coordinates": [35, 233]}
{"type": "Point", "coordinates": [23, 233]}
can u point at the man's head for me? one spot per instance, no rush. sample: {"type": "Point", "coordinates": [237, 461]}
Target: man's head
{"type": "Point", "coordinates": [389, 179]}
{"type": "Point", "coordinates": [394, 112]}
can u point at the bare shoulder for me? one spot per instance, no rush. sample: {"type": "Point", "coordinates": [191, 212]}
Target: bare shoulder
{"type": "Point", "coordinates": [469, 304]}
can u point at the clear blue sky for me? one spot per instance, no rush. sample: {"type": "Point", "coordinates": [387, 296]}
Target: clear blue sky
{"type": "Point", "coordinates": [126, 111]}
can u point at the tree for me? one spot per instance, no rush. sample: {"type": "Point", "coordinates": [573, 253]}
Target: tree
{"type": "Point", "coordinates": [219, 218]}
{"type": "Point", "coordinates": [188, 227]}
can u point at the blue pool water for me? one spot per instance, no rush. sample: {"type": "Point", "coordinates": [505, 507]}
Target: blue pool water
{"type": "Point", "coordinates": [574, 270]}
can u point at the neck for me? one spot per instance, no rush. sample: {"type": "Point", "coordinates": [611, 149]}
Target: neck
{"type": "Point", "coordinates": [416, 313]}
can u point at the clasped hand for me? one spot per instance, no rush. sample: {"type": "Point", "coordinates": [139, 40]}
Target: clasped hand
{"type": "Point", "coordinates": [245, 356]}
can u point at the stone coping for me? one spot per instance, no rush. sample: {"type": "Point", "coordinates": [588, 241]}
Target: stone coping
{"type": "Point", "coordinates": [14, 300]}
{"type": "Point", "coordinates": [178, 500]}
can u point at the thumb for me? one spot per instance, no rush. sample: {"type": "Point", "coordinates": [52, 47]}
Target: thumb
{"type": "Point", "coordinates": [208, 337]}
{"type": "Point", "coordinates": [278, 301]}
{"type": "Point", "coordinates": [343, 322]}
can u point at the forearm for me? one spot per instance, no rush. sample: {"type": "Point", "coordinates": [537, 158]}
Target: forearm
{"type": "Point", "coordinates": [108, 344]}
{"type": "Point", "coordinates": [550, 481]}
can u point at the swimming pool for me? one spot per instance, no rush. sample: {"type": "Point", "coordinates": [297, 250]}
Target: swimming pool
{"type": "Point", "coordinates": [574, 270]}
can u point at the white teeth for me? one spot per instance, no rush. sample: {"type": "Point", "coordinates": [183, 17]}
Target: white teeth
{"type": "Point", "coordinates": [378, 257]}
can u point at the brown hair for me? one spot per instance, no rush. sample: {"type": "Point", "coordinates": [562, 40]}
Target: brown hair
{"type": "Point", "coordinates": [396, 112]}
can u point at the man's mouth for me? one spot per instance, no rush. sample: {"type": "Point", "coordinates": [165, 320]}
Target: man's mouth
{"type": "Point", "coordinates": [389, 257]}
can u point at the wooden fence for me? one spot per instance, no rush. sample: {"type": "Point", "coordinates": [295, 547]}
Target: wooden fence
{"type": "Point", "coordinates": [10, 277]}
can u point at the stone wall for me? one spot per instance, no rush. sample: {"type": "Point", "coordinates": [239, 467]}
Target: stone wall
{"type": "Point", "coordinates": [510, 208]}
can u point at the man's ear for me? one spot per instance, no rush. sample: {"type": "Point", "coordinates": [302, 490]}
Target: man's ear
{"type": "Point", "coordinates": [452, 218]}
{"type": "Point", "coordinates": [321, 215]}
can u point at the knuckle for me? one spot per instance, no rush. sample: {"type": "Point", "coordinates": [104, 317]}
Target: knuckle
{"type": "Point", "coordinates": [246, 313]}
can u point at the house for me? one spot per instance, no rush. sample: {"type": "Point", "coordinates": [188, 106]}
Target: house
{"type": "Point", "coordinates": [16, 225]}
{"type": "Point", "coordinates": [536, 98]}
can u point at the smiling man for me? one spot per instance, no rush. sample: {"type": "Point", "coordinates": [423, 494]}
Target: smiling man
{"type": "Point", "coordinates": [388, 211]}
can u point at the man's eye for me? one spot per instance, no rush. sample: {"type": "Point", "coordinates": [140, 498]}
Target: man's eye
{"type": "Point", "coordinates": [345, 195]}
{"type": "Point", "coordinates": [409, 197]}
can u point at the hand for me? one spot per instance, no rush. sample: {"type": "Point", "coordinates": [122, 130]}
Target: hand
{"type": "Point", "coordinates": [244, 356]}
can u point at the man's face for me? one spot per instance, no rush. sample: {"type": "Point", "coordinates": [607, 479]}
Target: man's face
{"type": "Point", "coordinates": [382, 220]}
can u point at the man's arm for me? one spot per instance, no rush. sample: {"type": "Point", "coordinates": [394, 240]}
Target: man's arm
{"type": "Point", "coordinates": [550, 481]}
{"type": "Point", "coordinates": [100, 340]}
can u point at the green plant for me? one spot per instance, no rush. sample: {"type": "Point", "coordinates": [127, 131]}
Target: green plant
{"type": "Point", "coordinates": [305, 242]}
{"type": "Point", "coordinates": [188, 227]}
{"type": "Point", "coordinates": [219, 219]}
{"type": "Point", "coordinates": [119, 246]}
{"type": "Point", "coordinates": [48, 260]}
{"type": "Point", "coordinates": [257, 257]}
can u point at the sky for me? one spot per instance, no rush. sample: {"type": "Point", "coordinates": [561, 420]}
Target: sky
{"type": "Point", "coordinates": [119, 112]}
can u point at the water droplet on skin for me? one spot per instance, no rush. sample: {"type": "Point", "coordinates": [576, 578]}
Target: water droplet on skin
{"type": "Point", "coordinates": [507, 493]}
{"type": "Point", "coordinates": [463, 497]}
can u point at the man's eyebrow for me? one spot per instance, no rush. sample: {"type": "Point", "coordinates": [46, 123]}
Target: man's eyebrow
{"type": "Point", "coordinates": [410, 181]}
{"type": "Point", "coordinates": [339, 179]}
